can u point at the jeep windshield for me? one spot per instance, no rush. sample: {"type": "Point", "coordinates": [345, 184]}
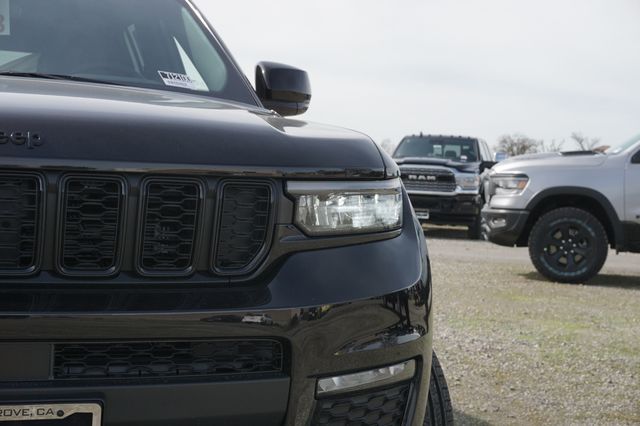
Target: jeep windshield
{"type": "Point", "coordinates": [453, 149]}
{"type": "Point", "coordinates": [156, 44]}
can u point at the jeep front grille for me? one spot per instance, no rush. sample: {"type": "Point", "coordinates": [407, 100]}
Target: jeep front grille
{"type": "Point", "coordinates": [169, 225]}
{"type": "Point", "coordinates": [147, 360]}
{"type": "Point", "coordinates": [91, 214]}
{"type": "Point", "coordinates": [431, 180]}
{"type": "Point", "coordinates": [20, 215]}
{"type": "Point", "coordinates": [129, 227]}
{"type": "Point", "coordinates": [243, 225]}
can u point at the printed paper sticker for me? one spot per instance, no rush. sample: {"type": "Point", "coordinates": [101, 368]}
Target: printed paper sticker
{"type": "Point", "coordinates": [5, 18]}
{"type": "Point", "coordinates": [178, 80]}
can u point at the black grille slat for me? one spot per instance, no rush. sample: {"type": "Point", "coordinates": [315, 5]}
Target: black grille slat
{"type": "Point", "coordinates": [20, 215]}
{"type": "Point", "coordinates": [92, 210]}
{"type": "Point", "coordinates": [372, 408]}
{"type": "Point", "coordinates": [244, 223]}
{"type": "Point", "coordinates": [167, 359]}
{"type": "Point", "coordinates": [445, 180]}
{"type": "Point", "coordinates": [170, 223]}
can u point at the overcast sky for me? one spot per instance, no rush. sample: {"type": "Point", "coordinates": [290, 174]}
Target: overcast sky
{"type": "Point", "coordinates": [545, 68]}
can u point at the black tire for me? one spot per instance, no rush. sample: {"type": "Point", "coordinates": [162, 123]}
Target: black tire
{"type": "Point", "coordinates": [474, 232]}
{"type": "Point", "coordinates": [439, 408]}
{"type": "Point", "coordinates": [568, 245]}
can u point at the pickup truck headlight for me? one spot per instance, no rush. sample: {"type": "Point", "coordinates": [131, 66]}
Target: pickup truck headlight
{"type": "Point", "coordinates": [333, 208]}
{"type": "Point", "coordinates": [508, 185]}
{"type": "Point", "coordinates": [468, 181]}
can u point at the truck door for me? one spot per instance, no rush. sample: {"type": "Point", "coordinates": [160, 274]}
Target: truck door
{"type": "Point", "coordinates": [632, 190]}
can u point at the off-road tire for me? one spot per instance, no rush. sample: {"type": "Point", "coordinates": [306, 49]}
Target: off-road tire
{"type": "Point", "coordinates": [568, 245]}
{"type": "Point", "coordinates": [439, 408]}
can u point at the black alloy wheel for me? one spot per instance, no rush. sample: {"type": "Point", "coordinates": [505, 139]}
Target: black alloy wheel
{"type": "Point", "coordinates": [568, 245]}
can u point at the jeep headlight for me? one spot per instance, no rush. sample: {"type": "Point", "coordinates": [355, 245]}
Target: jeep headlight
{"type": "Point", "coordinates": [468, 181]}
{"type": "Point", "coordinates": [508, 185]}
{"type": "Point", "coordinates": [331, 208]}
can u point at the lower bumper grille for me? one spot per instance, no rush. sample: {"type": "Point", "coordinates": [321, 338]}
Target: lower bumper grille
{"type": "Point", "coordinates": [166, 359]}
{"type": "Point", "coordinates": [372, 408]}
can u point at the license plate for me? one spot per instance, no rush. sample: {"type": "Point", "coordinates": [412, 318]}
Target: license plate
{"type": "Point", "coordinates": [51, 415]}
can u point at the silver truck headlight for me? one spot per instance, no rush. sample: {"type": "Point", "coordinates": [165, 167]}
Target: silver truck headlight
{"type": "Point", "coordinates": [468, 181]}
{"type": "Point", "coordinates": [333, 208]}
{"type": "Point", "coordinates": [508, 184]}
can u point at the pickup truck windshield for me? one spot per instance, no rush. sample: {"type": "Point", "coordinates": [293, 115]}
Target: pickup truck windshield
{"type": "Point", "coordinates": [454, 149]}
{"type": "Point", "coordinates": [152, 44]}
{"type": "Point", "coordinates": [622, 147]}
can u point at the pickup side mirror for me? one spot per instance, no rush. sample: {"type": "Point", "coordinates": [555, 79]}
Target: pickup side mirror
{"type": "Point", "coordinates": [487, 165]}
{"type": "Point", "coordinates": [282, 88]}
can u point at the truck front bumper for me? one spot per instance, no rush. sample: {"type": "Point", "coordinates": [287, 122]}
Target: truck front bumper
{"type": "Point", "coordinates": [505, 227]}
{"type": "Point", "coordinates": [463, 209]}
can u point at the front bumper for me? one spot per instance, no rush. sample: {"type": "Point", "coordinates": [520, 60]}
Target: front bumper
{"type": "Point", "coordinates": [463, 209]}
{"type": "Point", "coordinates": [335, 311]}
{"type": "Point", "coordinates": [505, 227]}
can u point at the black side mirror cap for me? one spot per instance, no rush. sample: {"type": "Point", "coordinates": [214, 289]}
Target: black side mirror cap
{"type": "Point", "coordinates": [485, 165]}
{"type": "Point", "coordinates": [283, 88]}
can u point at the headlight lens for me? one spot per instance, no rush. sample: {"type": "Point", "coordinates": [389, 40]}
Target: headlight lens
{"type": "Point", "coordinates": [331, 208]}
{"type": "Point", "coordinates": [468, 181]}
{"type": "Point", "coordinates": [509, 185]}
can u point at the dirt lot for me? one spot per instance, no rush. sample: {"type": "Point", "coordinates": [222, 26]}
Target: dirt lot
{"type": "Point", "coordinates": [520, 350]}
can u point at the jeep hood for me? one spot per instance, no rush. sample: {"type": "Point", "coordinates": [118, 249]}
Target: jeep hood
{"type": "Point", "coordinates": [584, 159]}
{"type": "Point", "coordinates": [92, 126]}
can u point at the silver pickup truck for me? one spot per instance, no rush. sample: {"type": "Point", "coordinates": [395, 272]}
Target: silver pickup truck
{"type": "Point", "coordinates": [568, 208]}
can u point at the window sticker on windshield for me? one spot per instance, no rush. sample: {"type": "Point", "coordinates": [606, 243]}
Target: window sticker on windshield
{"type": "Point", "coordinates": [175, 79]}
{"type": "Point", "coordinates": [5, 18]}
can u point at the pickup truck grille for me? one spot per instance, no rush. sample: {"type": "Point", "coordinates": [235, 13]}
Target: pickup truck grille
{"type": "Point", "coordinates": [148, 360]}
{"type": "Point", "coordinates": [103, 225]}
{"type": "Point", "coordinates": [432, 180]}
{"type": "Point", "coordinates": [20, 214]}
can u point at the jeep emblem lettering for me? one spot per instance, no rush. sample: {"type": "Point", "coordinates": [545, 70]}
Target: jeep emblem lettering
{"type": "Point", "coordinates": [29, 139]}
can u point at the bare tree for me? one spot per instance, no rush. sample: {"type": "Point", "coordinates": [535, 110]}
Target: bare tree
{"type": "Point", "coordinates": [585, 143]}
{"type": "Point", "coordinates": [518, 144]}
{"type": "Point", "coordinates": [553, 146]}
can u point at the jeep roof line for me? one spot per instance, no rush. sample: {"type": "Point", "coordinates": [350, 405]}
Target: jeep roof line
{"type": "Point", "coordinates": [175, 250]}
{"type": "Point", "coordinates": [442, 177]}
{"type": "Point", "coordinates": [568, 208]}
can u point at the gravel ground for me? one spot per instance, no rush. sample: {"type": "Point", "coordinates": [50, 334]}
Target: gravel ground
{"type": "Point", "coordinates": [517, 349]}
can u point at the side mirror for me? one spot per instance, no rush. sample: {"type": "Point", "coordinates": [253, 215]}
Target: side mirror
{"type": "Point", "coordinates": [485, 165]}
{"type": "Point", "coordinates": [282, 88]}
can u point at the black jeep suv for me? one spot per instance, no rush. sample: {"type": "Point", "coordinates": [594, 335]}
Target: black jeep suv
{"type": "Point", "coordinates": [175, 252]}
{"type": "Point", "coordinates": [442, 176]}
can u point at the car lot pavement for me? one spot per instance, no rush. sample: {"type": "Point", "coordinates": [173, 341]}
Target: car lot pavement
{"type": "Point", "coordinates": [518, 349]}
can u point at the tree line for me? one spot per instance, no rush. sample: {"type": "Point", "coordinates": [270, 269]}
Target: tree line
{"type": "Point", "coordinates": [519, 144]}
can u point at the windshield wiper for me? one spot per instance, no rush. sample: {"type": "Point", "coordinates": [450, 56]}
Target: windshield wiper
{"type": "Point", "coordinates": [56, 77]}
